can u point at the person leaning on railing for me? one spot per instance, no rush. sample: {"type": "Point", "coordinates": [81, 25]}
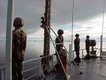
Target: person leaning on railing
{"type": "Point", "coordinates": [18, 49]}
{"type": "Point", "coordinates": [59, 44]}
{"type": "Point", "coordinates": [59, 40]}
{"type": "Point", "coordinates": [60, 52]}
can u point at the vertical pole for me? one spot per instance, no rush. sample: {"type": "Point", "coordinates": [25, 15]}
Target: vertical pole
{"type": "Point", "coordinates": [101, 45]}
{"type": "Point", "coordinates": [103, 16]}
{"type": "Point", "coordinates": [47, 31]}
{"type": "Point", "coordinates": [8, 55]}
{"type": "Point", "coordinates": [72, 31]}
{"type": "Point", "coordinates": [72, 23]}
{"type": "Point", "coordinates": [71, 56]}
{"type": "Point", "coordinates": [101, 37]}
{"type": "Point", "coordinates": [47, 24]}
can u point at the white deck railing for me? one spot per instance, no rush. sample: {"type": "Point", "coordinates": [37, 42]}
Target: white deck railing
{"type": "Point", "coordinates": [40, 73]}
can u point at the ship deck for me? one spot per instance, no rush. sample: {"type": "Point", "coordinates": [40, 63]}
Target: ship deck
{"type": "Point", "coordinates": [93, 69]}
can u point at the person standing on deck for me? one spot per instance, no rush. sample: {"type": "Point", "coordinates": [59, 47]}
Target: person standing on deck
{"type": "Point", "coordinates": [59, 44]}
{"type": "Point", "coordinates": [18, 49]}
{"type": "Point", "coordinates": [59, 40]}
{"type": "Point", "coordinates": [60, 52]}
{"type": "Point", "coordinates": [87, 45]}
{"type": "Point", "coordinates": [77, 48]}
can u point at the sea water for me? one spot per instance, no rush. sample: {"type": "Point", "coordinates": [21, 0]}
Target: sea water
{"type": "Point", "coordinates": [35, 48]}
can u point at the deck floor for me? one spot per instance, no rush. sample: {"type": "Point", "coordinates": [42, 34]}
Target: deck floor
{"type": "Point", "coordinates": [93, 69]}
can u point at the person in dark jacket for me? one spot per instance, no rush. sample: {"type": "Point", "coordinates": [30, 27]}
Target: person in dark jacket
{"type": "Point", "coordinates": [18, 49]}
{"type": "Point", "coordinates": [77, 48]}
{"type": "Point", "coordinates": [87, 45]}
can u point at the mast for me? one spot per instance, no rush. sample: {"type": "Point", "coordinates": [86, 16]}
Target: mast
{"type": "Point", "coordinates": [71, 45]}
{"type": "Point", "coordinates": [101, 43]}
{"type": "Point", "coordinates": [8, 53]}
{"type": "Point", "coordinates": [46, 26]}
{"type": "Point", "coordinates": [72, 22]}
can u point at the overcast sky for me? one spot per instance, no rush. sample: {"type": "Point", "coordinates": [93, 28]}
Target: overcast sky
{"type": "Point", "coordinates": [87, 16]}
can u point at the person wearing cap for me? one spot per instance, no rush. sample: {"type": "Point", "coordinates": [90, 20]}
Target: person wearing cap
{"type": "Point", "coordinates": [77, 48]}
{"type": "Point", "coordinates": [87, 45]}
{"type": "Point", "coordinates": [18, 48]}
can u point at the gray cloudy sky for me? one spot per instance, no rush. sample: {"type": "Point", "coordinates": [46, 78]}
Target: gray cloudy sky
{"type": "Point", "coordinates": [86, 14]}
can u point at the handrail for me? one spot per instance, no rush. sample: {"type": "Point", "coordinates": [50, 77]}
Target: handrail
{"type": "Point", "coordinates": [28, 61]}
{"type": "Point", "coordinates": [30, 69]}
{"type": "Point", "coordinates": [31, 60]}
{"type": "Point", "coordinates": [57, 51]}
{"type": "Point", "coordinates": [2, 68]}
{"type": "Point", "coordinates": [33, 75]}
{"type": "Point", "coordinates": [36, 59]}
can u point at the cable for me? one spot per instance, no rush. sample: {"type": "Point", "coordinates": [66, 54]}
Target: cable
{"type": "Point", "coordinates": [58, 55]}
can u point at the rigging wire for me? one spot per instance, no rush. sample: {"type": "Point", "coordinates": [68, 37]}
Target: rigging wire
{"type": "Point", "coordinates": [58, 53]}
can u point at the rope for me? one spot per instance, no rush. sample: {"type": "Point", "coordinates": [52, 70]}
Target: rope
{"type": "Point", "coordinates": [57, 51]}
{"type": "Point", "coordinates": [61, 42]}
{"type": "Point", "coordinates": [67, 51]}
{"type": "Point", "coordinates": [36, 58]}
{"type": "Point", "coordinates": [58, 38]}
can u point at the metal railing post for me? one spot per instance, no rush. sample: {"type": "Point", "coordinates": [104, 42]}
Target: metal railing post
{"type": "Point", "coordinates": [8, 53]}
{"type": "Point", "coordinates": [82, 54]}
{"type": "Point", "coordinates": [2, 74]}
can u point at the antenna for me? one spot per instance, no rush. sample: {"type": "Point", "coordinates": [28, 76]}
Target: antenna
{"type": "Point", "coordinates": [72, 22]}
{"type": "Point", "coordinates": [101, 43]}
{"type": "Point", "coordinates": [71, 45]}
{"type": "Point", "coordinates": [46, 26]}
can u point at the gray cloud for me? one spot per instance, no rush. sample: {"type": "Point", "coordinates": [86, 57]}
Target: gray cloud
{"type": "Point", "coordinates": [31, 11]}
{"type": "Point", "coordinates": [3, 5]}
{"type": "Point", "coordinates": [61, 12]}
{"type": "Point", "coordinates": [83, 10]}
